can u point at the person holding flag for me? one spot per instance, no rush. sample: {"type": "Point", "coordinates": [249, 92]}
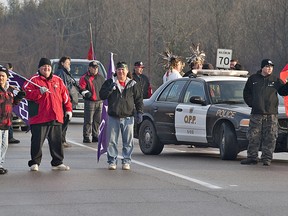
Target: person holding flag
{"type": "Point", "coordinates": [47, 96]}
{"type": "Point", "coordinates": [7, 100]}
{"type": "Point", "coordinates": [124, 96]}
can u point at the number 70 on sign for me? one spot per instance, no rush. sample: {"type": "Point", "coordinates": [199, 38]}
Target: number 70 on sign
{"type": "Point", "coordinates": [223, 58]}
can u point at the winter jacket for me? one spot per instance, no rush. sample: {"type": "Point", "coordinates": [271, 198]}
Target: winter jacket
{"type": "Point", "coordinates": [47, 108]}
{"type": "Point", "coordinates": [69, 83]}
{"type": "Point", "coordinates": [122, 103]}
{"type": "Point", "coordinates": [7, 100]}
{"type": "Point", "coordinates": [260, 93]}
{"type": "Point", "coordinates": [93, 84]}
{"type": "Point", "coordinates": [145, 84]}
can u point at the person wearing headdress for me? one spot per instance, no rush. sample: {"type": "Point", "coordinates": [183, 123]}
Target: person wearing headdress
{"type": "Point", "coordinates": [196, 60]}
{"type": "Point", "coordinates": [174, 64]}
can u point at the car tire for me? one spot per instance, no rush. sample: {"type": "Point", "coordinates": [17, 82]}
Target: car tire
{"type": "Point", "coordinates": [148, 139]}
{"type": "Point", "coordinates": [227, 142]}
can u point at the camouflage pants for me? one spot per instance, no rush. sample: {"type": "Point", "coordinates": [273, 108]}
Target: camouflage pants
{"type": "Point", "coordinates": [263, 131]}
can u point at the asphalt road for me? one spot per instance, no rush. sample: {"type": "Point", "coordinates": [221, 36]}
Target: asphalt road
{"type": "Point", "coordinates": [179, 181]}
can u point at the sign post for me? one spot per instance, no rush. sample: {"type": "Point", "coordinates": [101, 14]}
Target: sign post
{"type": "Point", "coordinates": [223, 58]}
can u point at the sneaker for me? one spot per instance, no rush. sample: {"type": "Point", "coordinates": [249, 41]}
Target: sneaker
{"type": "Point", "coordinates": [34, 167]}
{"type": "Point", "coordinates": [266, 163]}
{"type": "Point", "coordinates": [249, 161]}
{"type": "Point", "coordinates": [61, 167]}
{"type": "Point", "coordinates": [3, 171]}
{"type": "Point", "coordinates": [112, 167]}
{"type": "Point", "coordinates": [126, 166]}
{"type": "Point", "coordinates": [66, 145]}
{"type": "Point", "coordinates": [13, 141]}
{"type": "Point", "coordinates": [86, 140]}
{"type": "Point", "coordinates": [94, 139]}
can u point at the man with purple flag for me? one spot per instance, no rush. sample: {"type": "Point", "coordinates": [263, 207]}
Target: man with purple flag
{"type": "Point", "coordinates": [21, 109]}
{"type": "Point", "coordinates": [102, 139]}
{"type": "Point", "coordinates": [124, 97]}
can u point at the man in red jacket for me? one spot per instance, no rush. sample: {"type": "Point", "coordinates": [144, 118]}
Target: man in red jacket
{"type": "Point", "coordinates": [47, 96]}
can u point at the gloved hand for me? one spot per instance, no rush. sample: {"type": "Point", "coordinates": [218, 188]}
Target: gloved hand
{"type": "Point", "coordinates": [68, 114]}
{"type": "Point", "coordinates": [43, 90]}
{"type": "Point", "coordinates": [21, 94]}
{"type": "Point", "coordinates": [112, 86]}
{"type": "Point", "coordinates": [139, 118]}
{"type": "Point", "coordinates": [86, 94]}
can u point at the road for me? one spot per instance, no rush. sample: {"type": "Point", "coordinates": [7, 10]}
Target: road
{"type": "Point", "coordinates": [179, 181]}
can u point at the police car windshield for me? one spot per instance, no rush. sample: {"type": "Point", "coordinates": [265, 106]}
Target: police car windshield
{"type": "Point", "coordinates": [229, 92]}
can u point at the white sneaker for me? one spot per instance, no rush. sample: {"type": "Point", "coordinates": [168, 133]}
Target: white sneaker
{"type": "Point", "coordinates": [112, 166]}
{"type": "Point", "coordinates": [126, 166]}
{"type": "Point", "coordinates": [34, 167]}
{"type": "Point", "coordinates": [61, 167]}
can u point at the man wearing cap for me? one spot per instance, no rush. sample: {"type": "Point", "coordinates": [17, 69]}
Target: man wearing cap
{"type": "Point", "coordinates": [260, 93]}
{"type": "Point", "coordinates": [7, 100]}
{"type": "Point", "coordinates": [138, 76]}
{"type": "Point", "coordinates": [90, 84]}
{"type": "Point", "coordinates": [47, 98]}
{"type": "Point", "coordinates": [124, 97]}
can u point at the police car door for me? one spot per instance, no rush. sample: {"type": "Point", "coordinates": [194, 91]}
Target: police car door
{"type": "Point", "coordinates": [190, 118]}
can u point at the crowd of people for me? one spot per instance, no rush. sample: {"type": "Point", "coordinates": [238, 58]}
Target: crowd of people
{"type": "Point", "coordinates": [55, 94]}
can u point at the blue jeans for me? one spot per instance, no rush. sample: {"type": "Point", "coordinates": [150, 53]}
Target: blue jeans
{"type": "Point", "coordinates": [4, 145]}
{"type": "Point", "coordinates": [126, 127]}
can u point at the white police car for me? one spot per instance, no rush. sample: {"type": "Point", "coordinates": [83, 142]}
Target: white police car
{"type": "Point", "coordinates": [207, 110]}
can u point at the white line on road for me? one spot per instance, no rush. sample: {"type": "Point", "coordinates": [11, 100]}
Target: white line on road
{"type": "Point", "coordinates": [205, 184]}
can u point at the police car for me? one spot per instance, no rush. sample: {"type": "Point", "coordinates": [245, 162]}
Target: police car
{"type": "Point", "coordinates": [206, 110]}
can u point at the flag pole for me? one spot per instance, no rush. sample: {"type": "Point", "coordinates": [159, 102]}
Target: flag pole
{"type": "Point", "coordinates": [91, 40]}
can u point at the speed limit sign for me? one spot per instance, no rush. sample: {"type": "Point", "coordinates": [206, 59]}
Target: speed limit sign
{"type": "Point", "coordinates": [223, 58]}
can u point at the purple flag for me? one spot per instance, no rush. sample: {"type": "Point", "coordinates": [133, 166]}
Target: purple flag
{"type": "Point", "coordinates": [21, 110]}
{"type": "Point", "coordinates": [103, 142]}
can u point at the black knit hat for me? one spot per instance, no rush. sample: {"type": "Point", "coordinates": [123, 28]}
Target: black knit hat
{"type": "Point", "coordinates": [44, 61]}
{"type": "Point", "coordinates": [266, 62]}
{"type": "Point", "coordinates": [4, 69]}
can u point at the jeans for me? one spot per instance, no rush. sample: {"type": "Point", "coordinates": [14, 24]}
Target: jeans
{"type": "Point", "coordinates": [126, 127]}
{"type": "Point", "coordinates": [4, 145]}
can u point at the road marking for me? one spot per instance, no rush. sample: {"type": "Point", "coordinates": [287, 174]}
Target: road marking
{"type": "Point", "coordinates": [205, 184]}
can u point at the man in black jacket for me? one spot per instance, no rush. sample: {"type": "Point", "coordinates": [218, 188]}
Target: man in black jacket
{"type": "Point", "coordinates": [260, 93]}
{"type": "Point", "coordinates": [124, 97]}
{"type": "Point", "coordinates": [138, 76]}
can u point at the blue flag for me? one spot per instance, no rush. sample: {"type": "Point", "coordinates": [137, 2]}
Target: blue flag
{"type": "Point", "coordinates": [21, 110]}
{"type": "Point", "coordinates": [103, 142]}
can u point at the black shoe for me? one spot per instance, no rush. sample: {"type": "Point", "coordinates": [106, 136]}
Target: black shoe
{"type": "Point", "coordinates": [249, 161]}
{"type": "Point", "coordinates": [13, 141]}
{"type": "Point", "coordinates": [86, 140]}
{"type": "Point", "coordinates": [266, 163]}
{"type": "Point", "coordinates": [3, 171]}
{"type": "Point", "coordinates": [94, 139]}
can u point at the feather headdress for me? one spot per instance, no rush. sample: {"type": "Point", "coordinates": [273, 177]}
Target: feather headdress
{"type": "Point", "coordinates": [167, 56]}
{"type": "Point", "coordinates": [196, 54]}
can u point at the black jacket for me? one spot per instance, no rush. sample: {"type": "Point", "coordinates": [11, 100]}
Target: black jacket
{"type": "Point", "coordinates": [260, 93]}
{"type": "Point", "coordinates": [144, 82]}
{"type": "Point", "coordinates": [122, 104]}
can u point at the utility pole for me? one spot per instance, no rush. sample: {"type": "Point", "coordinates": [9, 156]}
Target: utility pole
{"type": "Point", "coordinates": [149, 39]}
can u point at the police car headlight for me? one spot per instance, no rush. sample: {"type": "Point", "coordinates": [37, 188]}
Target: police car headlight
{"type": "Point", "coordinates": [244, 122]}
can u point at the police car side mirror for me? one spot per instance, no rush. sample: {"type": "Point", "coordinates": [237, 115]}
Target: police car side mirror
{"type": "Point", "coordinates": [197, 100]}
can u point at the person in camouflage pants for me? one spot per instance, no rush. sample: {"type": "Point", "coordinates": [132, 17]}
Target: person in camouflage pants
{"type": "Point", "coordinates": [262, 129]}
{"type": "Point", "coordinates": [260, 93]}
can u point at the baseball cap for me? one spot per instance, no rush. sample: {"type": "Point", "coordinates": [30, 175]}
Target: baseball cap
{"type": "Point", "coordinates": [121, 65]}
{"type": "Point", "coordinates": [93, 64]}
{"type": "Point", "coordinates": [4, 69]}
{"type": "Point", "coordinates": [139, 64]}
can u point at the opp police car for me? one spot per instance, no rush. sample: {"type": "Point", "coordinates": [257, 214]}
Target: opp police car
{"type": "Point", "coordinates": [207, 110]}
